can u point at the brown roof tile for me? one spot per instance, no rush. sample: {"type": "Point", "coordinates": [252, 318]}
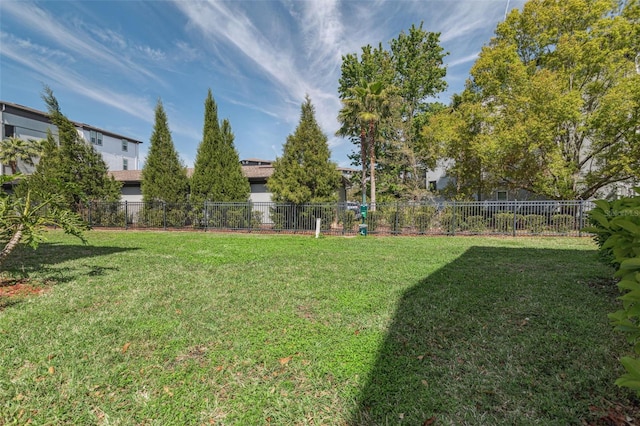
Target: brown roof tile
{"type": "Point", "coordinates": [251, 172]}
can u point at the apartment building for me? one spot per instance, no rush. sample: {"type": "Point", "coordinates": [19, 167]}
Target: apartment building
{"type": "Point", "coordinates": [120, 152]}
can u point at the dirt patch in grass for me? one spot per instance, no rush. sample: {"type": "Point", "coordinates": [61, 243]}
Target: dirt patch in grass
{"type": "Point", "coordinates": [18, 288]}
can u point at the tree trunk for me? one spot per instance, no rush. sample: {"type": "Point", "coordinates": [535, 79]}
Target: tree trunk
{"type": "Point", "coordinates": [363, 158]}
{"type": "Point", "coordinates": [13, 242]}
{"type": "Point", "coordinates": [372, 165]}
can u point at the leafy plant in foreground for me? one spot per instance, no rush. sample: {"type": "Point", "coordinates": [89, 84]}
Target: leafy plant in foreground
{"type": "Point", "coordinates": [616, 226]}
{"type": "Point", "coordinates": [22, 219]}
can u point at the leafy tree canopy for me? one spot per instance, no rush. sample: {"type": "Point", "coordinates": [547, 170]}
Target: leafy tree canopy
{"type": "Point", "coordinates": [553, 102]}
{"type": "Point", "coordinates": [411, 73]}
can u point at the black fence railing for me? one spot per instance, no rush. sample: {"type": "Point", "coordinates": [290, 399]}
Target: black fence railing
{"type": "Point", "coordinates": [448, 218]}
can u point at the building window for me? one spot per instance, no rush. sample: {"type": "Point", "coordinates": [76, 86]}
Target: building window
{"type": "Point", "coordinates": [9, 131]}
{"type": "Point", "coordinates": [501, 195]}
{"type": "Point", "coordinates": [433, 185]}
{"type": "Point", "coordinates": [125, 164]}
{"type": "Point", "coordinates": [125, 145]}
{"type": "Point", "coordinates": [96, 138]}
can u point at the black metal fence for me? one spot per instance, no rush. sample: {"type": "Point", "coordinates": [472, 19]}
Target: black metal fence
{"type": "Point", "coordinates": [443, 218]}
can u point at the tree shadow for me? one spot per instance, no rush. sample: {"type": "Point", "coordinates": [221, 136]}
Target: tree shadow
{"type": "Point", "coordinates": [498, 336]}
{"type": "Point", "coordinates": [46, 260]}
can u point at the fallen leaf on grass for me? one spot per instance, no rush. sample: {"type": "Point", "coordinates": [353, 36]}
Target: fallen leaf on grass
{"type": "Point", "coordinates": [424, 382]}
{"type": "Point", "coordinates": [285, 361]}
{"type": "Point", "coordinates": [168, 391]}
{"type": "Point", "coordinates": [429, 421]}
{"type": "Point", "coordinates": [126, 347]}
{"type": "Point", "coordinates": [52, 369]}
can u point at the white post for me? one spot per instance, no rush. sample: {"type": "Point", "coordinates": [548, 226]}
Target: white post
{"type": "Point", "coordinates": [318, 222]}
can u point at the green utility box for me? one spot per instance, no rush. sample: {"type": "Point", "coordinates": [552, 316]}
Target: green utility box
{"type": "Point", "coordinates": [362, 229]}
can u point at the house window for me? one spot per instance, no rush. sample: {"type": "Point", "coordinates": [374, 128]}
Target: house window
{"type": "Point", "coordinates": [96, 138]}
{"type": "Point", "coordinates": [433, 185]}
{"type": "Point", "coordinates": [9, 131]}
{"type": "Point", "coordinates": [501, 195]}
{"type": "Point", "coordinates": [125, 164]}
{"type": "Point", "coordinates": [125, 145]}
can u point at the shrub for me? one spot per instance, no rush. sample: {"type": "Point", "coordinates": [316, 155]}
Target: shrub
{"type": "Point", "coordinates": [372, 221]}
{"type": "Point", "coordinates": [535, 223]}
{"type": "Point", "coordinates": [348, 219]}
{"type": "Point", "coordinates": [236, 218]}
{"type": "Point", "coordinates": [563, 223]}
{"type": "Point", "coordinates": [476, 224]}
{"type": "Point", "coordinates": [106, 214]}
{"type": "Point", "coordinates": [451, 219]}
{"type": "Point", "coordinates": [395, 218]}
{"type": "Point", "coordinates": [424, 218]}
{"type": "Point", "coordinates": [616, 226]}
{"type": "Point", "coordinates": [256, 219]}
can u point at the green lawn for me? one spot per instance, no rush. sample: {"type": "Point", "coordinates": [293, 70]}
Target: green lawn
{"type": "Point", "coordinates": [198, 328]}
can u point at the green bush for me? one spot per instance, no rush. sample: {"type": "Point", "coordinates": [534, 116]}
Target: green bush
{"type": "Point", "coordinates": [616, 227]}
{"type": "Point", "coordinates": [395, 218]}
{"type": "Point", "coordinates": [152, 216]}
{"type": "Point", "coordinates": [106, 214]}
{"type": "Point", "coordinates": [176, 217]}
{"type": "Point", "coordinates": [373, 221]}
{"type": "Point", "coordinates": [424, 218]}
{"type": "Point", "coordinates": [535, 223]}
{"type": "Point", "coordinates": [503, 222]}
{"type": "Point", "coordinates": [476, 224]}
{"type": "Point", "coordinates": [563, 223]}
{"type": "Point", "coordinates": [256, 219]}
{"type": "Point", "coordinates": [236, 218]}
{"type": "Point", "coordinates": [348, 219]}
{"type": "Point", "coordinates": [451, 220]}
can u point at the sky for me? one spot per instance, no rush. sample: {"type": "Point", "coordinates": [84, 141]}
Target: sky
{"type": "Point", "coordinates": [109, 62]}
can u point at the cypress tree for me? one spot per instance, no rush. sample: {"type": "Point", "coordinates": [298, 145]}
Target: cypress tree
{"type": "Point", "coordinates": [218, 174]}
{"type": "Point", "coordinates": [72, 167]}
{"type": "Point", "coordinates": [235, 186]}
{"type": "Point", "coordinates": [164, 178]}
{"type": "Point", "coordinates": [304, 173]}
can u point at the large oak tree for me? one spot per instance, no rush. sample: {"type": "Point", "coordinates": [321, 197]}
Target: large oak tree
{"type": "Point", "coordinates": [558, 90]}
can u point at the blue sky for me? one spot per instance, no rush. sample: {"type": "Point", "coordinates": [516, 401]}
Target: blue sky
{"type": "Point", "coordinates": [108, 62]}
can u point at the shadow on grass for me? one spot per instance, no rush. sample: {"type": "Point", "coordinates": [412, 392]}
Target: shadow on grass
{"type": "Point", "coordinates": [498, 336]}
{"type": "Point", "coordinates": [46, 260]}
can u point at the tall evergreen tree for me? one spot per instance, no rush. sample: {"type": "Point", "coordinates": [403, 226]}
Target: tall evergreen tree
{"type": "Point", "coordinates": [305, 173]}
{"type": "Point", "coordinates": [164, 178]}
{"type": "Point", "coordinates": [206, 173]}
{"type": "Point", "coordinates": [235, 186]}
{"type": "Point", "coordinates": [70, 166]}
{"type": "Point", "coordinates": [218, 174]}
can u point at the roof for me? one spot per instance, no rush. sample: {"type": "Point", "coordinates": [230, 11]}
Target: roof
{"type": "Point", "coordinates": [45, 117]}
{"type": "Point", "coordinates": [251, 172]}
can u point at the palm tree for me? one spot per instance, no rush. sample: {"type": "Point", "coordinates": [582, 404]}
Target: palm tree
{"type": "Point", "coordinates": [14, 149]}
{"type": "Point", "coordinates": [363, 110]}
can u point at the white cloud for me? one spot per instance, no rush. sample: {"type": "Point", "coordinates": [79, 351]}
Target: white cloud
{"type": "Point", "coordinates": [80, 43]}
{"type": "Point", "coordinates": [30, 56]}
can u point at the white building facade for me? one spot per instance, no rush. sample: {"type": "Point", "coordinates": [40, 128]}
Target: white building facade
{"type": "Point", "coordinates": [118, 151]}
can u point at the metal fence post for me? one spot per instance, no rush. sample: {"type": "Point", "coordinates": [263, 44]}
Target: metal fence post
{"type": "Point", "coordinates": [515, 216]}
{"type": "Point", "coordinates": [453, 219]}
{"type": "Point", "coordinates": [164, 215]}
{"type": "Point", "coordinates": [89, 214]}
{"type": "Point", "coordinates": [580, 218]}
{"type": "Point", "coordinates": [126, 215]}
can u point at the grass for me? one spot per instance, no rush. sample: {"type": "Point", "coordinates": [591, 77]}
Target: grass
{"type": "Point", "coordinates": [199, 328]}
